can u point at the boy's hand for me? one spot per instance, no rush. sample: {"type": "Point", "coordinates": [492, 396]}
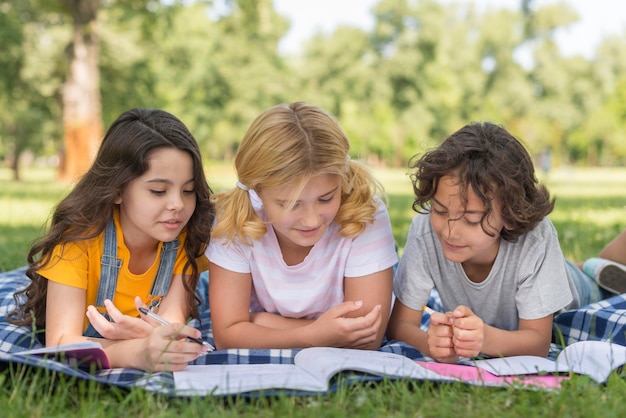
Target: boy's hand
{"type": "Point", "coordinates": [468, 332]}
{"type": "Point", "coordinates": [440, 338]}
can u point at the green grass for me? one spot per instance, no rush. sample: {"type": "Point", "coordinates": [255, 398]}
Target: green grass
{"type": "Point", "coordinates": [590, 210]}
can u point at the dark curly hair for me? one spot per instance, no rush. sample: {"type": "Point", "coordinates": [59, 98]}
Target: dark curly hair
{"type": "Point", "coordinates": [85, 211]}
{"type": "Point", "coordinates": [487, 158]}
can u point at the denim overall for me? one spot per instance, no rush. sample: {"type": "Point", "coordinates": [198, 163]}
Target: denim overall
{"type": "Point", "coordinates": [110, 268]}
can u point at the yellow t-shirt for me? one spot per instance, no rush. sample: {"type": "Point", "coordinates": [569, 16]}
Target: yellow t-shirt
{"type": "Point", "coordinates": [78, 265]}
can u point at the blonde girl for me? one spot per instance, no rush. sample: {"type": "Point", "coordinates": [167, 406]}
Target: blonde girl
{"type": "Point", "coordinates": [302, 250]}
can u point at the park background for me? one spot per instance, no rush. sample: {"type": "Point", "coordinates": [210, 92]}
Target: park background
{"type": "Point", "coordinates": [400, 76]}
{"type": "Point", "coordinates": [399, 85]}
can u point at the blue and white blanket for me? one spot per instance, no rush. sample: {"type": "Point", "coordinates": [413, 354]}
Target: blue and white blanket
{"type": "Point", "coordinates": [605, 320]}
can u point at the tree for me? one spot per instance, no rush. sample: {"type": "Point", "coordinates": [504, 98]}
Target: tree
{"type": "Point", "coordinates": [427, 68]}
{"type": "Point", "coordinates": [31, 107]}
{"type": "Point", "coordinates": [82, 112]}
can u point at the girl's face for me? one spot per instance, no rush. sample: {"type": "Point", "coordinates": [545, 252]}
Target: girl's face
{"type": "Point", "coordinates": [157, 205]}
{"type": "Point", "coordinates": [315, 208]}
{"type": "Point", "coordinates": [458, 226]}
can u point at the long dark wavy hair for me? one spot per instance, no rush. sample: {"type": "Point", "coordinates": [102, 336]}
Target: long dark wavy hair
{"type": "Point", "coordinates": [85, 211]}
{"type": "Point", "coordinates": [487, 158]}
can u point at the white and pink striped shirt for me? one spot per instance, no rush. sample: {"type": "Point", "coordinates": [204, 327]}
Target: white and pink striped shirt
{"type": "Point", "coordinates": [308, 289]}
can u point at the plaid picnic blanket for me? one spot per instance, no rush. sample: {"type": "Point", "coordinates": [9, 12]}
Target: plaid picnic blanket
{"type": "Point", "coordinates": [605, 321]}
{"type": "Point", "coordinates": [14, 339]}
{"type": "Point", "coordinates": [600, 321]}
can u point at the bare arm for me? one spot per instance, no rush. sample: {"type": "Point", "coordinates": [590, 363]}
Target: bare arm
{"type": "Point", "coordinates": [173, 305]}
{"type": "Point", "coordinates": [234, 326]}
{"type": "Point", "coordinates": [616, 249]}
{"type": "Point", "coordinates": [65, 314]}
{"type": "Point", "coordinates": [163, 348]}
{"type": "Point", "coordinates": [472, 336]}
{"type": "Point", "coordinates": [462, 333]}
{"type": "Point", "coordinates": [374, 290]}
{"type": "Point", "coordinates": [404, 325]}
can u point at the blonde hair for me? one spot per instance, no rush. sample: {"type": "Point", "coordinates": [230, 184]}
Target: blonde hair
{"type": "Point", "coordinates": [287, 144]}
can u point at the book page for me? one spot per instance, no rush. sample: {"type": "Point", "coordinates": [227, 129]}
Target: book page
{"type": "Point", "coordinates": [61, 348]}
{"type": "Point", "coordinates": [325, 362]}
{"type": "Point", "coordinates": [596, 359]}
{"type": "Point", "coordinates": [229, 379]}
{"type": "Point", "coordinates": [516, 365]}
{"type": "Point", "coordinates": [312, 372]}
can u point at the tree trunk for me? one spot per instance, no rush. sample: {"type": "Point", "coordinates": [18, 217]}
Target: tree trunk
{"type": "Point", "coordinates": [15, 167]}
{"type": "Point", "coordinates": [82, 112]}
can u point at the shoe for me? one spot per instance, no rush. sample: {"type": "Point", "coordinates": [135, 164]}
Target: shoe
{"type": "Point", "coordinates": [609, 275]}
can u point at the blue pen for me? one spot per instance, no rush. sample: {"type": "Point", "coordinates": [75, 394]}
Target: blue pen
{"type": "Point", "coordinates": [163, 321]}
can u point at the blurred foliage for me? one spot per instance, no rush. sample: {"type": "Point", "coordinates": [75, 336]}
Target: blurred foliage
{"type": "Point", "coordinates": [424, 70]}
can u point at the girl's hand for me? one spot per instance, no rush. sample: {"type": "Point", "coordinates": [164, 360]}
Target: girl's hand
{"type": "Point", "coordinates": [166, 349]}
{"type": "Point", "coordinates": [336, 330]}
{"type": "Point", "coordinates": [143, 346]}
{"type": "Point", "coordinates": [469, 332]}
{"type": "Point", "coordinates": [440, 338]}
{"type": "Point", "coordinates": [123, 327]}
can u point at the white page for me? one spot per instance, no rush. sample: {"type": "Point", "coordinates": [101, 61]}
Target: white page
{"type": "Point", "coordinates": [315, 367]}
{"type": "Point", "coordinates": [224, 379]}
{"type": "Point", "coordinates": [516, 365]}
{"type": "Point", "coordinates": [594, 358]}
{"type": "Point", "coordinates": [325, 362]}
{"type": "Point", "coordinates": [61, 348]}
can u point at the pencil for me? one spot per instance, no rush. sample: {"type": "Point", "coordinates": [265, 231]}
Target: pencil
{"type": "Point", "coordinates": [163, 321]}
{"type": "Point", "coordinates": [428, 310]}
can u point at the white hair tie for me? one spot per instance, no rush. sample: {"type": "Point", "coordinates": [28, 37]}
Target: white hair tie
{"type": "Point", "coordinates": [242, 186]}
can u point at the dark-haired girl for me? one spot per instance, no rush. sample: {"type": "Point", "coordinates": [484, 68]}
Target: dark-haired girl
{"type": "Point", "coordinates": [131, 234]}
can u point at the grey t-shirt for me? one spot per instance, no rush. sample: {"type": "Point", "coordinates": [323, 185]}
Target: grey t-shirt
{"type": "Point", "coordinates": [528, 280]}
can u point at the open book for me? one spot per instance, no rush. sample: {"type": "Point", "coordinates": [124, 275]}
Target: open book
{"type": "Point", "coordinates": [84, 354]}
{"type": "Point", "coordinates": [596, 359]}
{"type": "Point", "coordinates": [312, 371]}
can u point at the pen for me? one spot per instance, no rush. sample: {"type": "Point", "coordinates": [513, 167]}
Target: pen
{"type": "Point", "coordinates": [163, 321]}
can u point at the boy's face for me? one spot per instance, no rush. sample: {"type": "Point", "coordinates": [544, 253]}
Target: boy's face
{"type": "Point", "coordinates": [458, 226]}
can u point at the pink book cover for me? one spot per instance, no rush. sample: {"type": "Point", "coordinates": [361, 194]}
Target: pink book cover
{"type": "Point", "coordinates": [476, 375]}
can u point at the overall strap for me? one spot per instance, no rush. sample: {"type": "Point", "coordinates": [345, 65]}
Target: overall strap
{"type": "Point", "coordinates": [109, 265]}
{"type": "Point", "coordinates": [109, 269]}
{"type": "Point", "coordinates": [162, 281]}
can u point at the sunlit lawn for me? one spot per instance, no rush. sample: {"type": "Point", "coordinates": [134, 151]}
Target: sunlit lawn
{"type": "Point", "coordinates": [590, 206]}
{"type": "Point", "coordinates": [590, 210]}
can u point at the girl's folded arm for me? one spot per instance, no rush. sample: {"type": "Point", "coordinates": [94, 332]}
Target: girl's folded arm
{"type": "Point", "coordinates": [65, 314]}
{"type": "Point", "coordinates": [373, 289]}
{"type": "Point", "coordinates": [232, 322]}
